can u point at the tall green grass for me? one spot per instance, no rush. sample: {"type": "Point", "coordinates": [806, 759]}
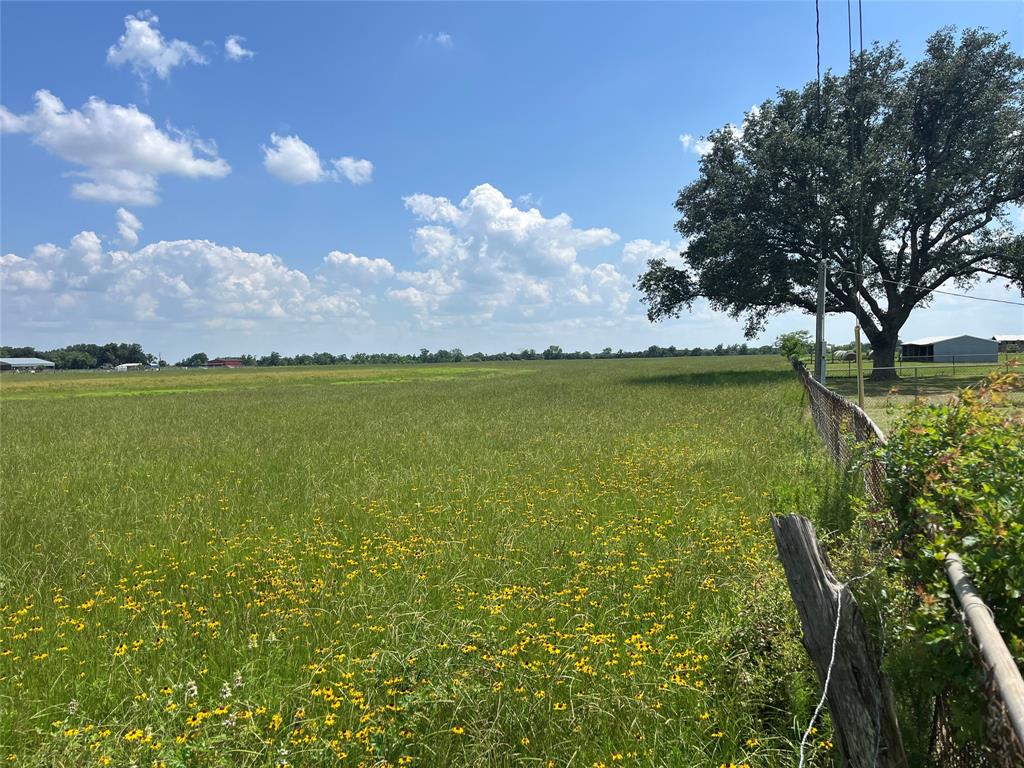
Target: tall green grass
{"type": "Point", "coordinates": [549, 563]}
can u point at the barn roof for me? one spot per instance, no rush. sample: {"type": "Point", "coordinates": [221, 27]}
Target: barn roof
{"type": "Point", "coordinates": [25, 361]}
{"type": "Point", "coordinates": [1009, 337]}
{"type": "Point", "coordinates": [925, 341]}
{"type": "Point", "coordinates": [928, 340]}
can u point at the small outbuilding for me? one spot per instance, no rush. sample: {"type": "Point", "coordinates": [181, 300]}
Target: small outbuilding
{"type": "Point", "coordinates": [128, 367]}
{"type": "Point", "coordinates": [1010, 343]}
{"type": "Point", "coordinates": [225, 362]}
{"type": "Point", "coordinates": [25, 364]}
{"type": "Point", "coordinates": [951, 349]}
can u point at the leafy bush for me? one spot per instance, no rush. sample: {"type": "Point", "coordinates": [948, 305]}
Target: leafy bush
{"type": "Point", "coordinates": [955, 483]}
{"type": "Point", "coordinates": [794, 344]}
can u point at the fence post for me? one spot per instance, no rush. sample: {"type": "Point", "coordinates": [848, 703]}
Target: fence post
{"type": "Point", "coordinates": [858, 693]}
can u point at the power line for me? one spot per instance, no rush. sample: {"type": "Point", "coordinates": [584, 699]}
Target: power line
{"type": "Point", "coordinates": [934, 290]}
{"type": "Point", "coordinates": [860, 20]}
{"type": "Point", "coordinates": [849, 28]}
{"type": "Point", "coordinates": [817, 48]}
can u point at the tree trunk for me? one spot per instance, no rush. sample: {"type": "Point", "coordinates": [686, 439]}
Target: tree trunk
{"type": "Point", "coordinates": [883, 355]}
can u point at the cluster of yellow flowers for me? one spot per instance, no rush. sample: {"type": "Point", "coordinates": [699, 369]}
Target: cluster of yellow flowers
{"type": "Point", "coordinates": [520, 622]}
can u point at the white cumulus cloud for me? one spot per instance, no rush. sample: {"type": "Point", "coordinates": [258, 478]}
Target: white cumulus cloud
{"type": "Point", "coordinates": [182, 282]}
{"type": "Point", "coordinates": [430, 208]}
{"type": "Point", "coordinates": [642, 251]}
{"type": "Point", "coordinates": [147, 51]}
{"type": "Point", "coordinates": [122, 151]}
{"type": "Point", "coordinates": [359, 266]}
{"type": "Point", "coordinates": [486, 259]}
{"type": "Point", "coordinates": [128, 226]}
{"type": "Point", "coordinates": [294, 161]}
{"type": "Point", "coordinates": [483, 263]}
{"type": "Point", "coordinates": [697, 146]}
{"type": "Point", "coordinates": [21, 274]}
{"type": "Point", "coordinates": [235, 51]}
{"type": "Point", "coordinates": [703, 147]}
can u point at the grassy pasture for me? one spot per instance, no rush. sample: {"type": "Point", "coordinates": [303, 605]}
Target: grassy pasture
{"type": "Point", "coordinates": [548, 563]}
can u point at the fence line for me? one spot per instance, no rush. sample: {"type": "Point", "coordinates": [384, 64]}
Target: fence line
{"type": "Point", "coordinates": [917, 368]}
{"type": "Point", "coordinates": [847, 432]}
{"type": "Point", "coordinates": [845, 429]}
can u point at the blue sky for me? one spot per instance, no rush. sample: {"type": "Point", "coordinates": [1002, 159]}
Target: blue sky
{"type": "Point", "coordinates": [503, 170]}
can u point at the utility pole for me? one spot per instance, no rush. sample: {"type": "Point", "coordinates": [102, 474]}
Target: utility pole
{"type": "Point", "coordinates": [860, 367]}
{"type": "Point", "coordinates": [819, 327]}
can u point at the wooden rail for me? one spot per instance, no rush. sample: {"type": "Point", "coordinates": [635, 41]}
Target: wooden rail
{"type": "Point", "coordinates": [991, 646]}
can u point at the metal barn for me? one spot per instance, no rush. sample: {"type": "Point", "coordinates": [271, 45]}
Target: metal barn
{"type": "Point", "coordinates": [24, 364]}
{"type": "Point", "coordinates": [951, 349]}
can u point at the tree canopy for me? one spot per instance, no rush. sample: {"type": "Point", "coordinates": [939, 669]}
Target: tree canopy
{"type": "Point", "coordinates": [902, 178]}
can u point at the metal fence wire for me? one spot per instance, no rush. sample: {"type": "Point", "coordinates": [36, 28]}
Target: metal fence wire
{"type": "Point", "coordinates": [849, 434]}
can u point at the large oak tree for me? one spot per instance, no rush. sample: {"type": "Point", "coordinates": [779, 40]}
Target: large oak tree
{"type": "Point", "coordinates": [902, 178]}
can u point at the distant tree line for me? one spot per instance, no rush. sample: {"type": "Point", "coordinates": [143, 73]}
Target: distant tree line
{"type": "Point", "coordinates": [90, 356]}
{"type": "Point", "coordinates": [456, 355]}
{"type": "Point", "coordinates": [85, 356]}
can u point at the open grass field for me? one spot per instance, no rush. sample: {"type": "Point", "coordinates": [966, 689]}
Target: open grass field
{"type": "Point", "coordinates": [538, 564]}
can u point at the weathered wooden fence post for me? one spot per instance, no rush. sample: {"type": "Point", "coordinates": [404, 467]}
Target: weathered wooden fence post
{"type": "Point", "coordinates": [859, 698]}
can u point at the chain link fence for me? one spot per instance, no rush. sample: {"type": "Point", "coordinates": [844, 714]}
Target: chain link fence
{"type": "Point", "coordinates": [849, 434]}
{"type": "Point", "coordinates": [845, 429]}
{"type": "Point", "coordinates": [960, 366]}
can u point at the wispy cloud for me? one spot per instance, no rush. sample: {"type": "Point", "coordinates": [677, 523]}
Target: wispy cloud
{"type": "Point", "coordinates": [355, 170]}
{"type": "Point", "coordinates": [440, 39]}
{"type": "Point", "coordinates": [235, 51]}
{"type": "Point", "coordinates": [128, 226]}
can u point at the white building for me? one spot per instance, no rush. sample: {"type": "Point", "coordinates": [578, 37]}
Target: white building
{"type": "Point", "coordinates": [24, 364]}
{"type": "Point", "coordinates": [128, 367]}
{"type": "Point", "coordinates": [951, 349]}
{"type": "Point", "coordinates": [1010, 343]}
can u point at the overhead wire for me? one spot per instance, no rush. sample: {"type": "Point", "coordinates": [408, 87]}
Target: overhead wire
{"type": "Point", "coordinates": [849, 28]}
{"type": "Point", "coordinates": [934, 290]}
{"type": "Point", "coordinates": [817, 46]}
{"type": "Point", "coordinates": [860, 21]}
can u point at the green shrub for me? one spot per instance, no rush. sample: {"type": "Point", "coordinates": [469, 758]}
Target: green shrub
{"type": "Point", "coordinates": [955, 483]}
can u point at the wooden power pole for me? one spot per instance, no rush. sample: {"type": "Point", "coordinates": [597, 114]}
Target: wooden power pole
{"type": "Point", "coordinates": [819, 327]}
{"type": "Point", "coordinates": [860, 367]}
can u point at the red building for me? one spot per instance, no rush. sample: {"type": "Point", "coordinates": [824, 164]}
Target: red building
{"type": "Point", "coordinates": [225, 362]}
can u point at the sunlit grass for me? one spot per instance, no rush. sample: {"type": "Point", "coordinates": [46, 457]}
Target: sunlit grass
{"type": "Point", "coordinates": [512, 564]}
